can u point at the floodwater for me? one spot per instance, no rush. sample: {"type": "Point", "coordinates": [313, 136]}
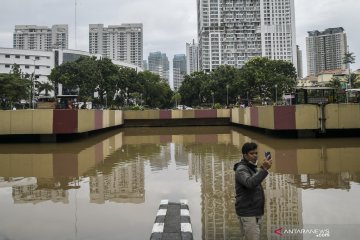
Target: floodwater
{"type": "Point", "coordinates": [110, 186]}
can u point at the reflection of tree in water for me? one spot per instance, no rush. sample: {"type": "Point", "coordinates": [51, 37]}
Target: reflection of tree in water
{"type": "Point", "coordinates": [127, 154]}
{"type": "Point", "coordinates": [221, 151]}
{"type": "Point", "coordinates": [45, 189]}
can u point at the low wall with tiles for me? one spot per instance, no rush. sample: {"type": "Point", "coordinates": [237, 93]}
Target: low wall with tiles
{"type": "Point", "coordinates": [58, 121]}
{"type": "Point", "coordinates": [298, 117]}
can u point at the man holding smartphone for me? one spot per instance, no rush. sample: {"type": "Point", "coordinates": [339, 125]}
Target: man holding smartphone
{"type": "Point", "coordinates": [250, 197]}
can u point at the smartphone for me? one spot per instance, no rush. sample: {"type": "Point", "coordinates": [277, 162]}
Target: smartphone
{"type": "Point", "coordinates": [268, 155]}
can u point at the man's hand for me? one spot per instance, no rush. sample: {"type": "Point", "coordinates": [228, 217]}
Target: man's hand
{"type": "Point", "coordinates": [267, 164]}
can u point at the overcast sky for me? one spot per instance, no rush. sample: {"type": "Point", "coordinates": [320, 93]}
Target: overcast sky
{"type": "Point", "coordinates": [167, 24]}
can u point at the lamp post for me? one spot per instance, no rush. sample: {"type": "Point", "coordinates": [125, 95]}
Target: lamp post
{"type": "Point", "coordinates": [276, 94]}
{"type": "Point", "coordinates": [227, 94]}
{"type": "Point", "coordinates": [32, 86]}
{"type": "Point", "coordinates": [126, 94]}
{"type": "Point", "coordinates": [212, 95]}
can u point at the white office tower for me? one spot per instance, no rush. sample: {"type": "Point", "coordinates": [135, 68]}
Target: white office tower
{"type": "Point", "coordinates": [32, 37]}
{"type": "Point", "coordinates": [325, 50]}
{"type": "Point", "coordinates": [231, 32]}
{"type": "Point", "coordinates": [158, 63]}
{"type": "Point", "coordinates": [118, 42]}
{"type": "Point", "coordinates": [192, 57]}
{"type": "Point", "coordinates": [299, 62]}
{"type": "Point", "coordinates": [179, 70]}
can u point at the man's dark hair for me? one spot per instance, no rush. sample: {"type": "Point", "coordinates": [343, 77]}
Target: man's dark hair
{"type": "Point", "coordinates": [247, 147]}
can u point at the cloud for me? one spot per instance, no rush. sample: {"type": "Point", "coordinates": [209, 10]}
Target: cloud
{"type": "Point", "coordinates": [167, 24]}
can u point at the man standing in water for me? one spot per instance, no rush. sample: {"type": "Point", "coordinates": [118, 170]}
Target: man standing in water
{"type": "Point", "coordinates": [250, 197]}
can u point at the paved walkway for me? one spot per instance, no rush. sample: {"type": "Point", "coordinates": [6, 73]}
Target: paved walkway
{"type": "Point", "coordinates": [172, 222]}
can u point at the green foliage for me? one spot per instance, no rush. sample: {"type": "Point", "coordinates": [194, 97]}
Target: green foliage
{"type": "Point", "coordinates": [349, 58]}
{"type": "Point", "coordinates": [217, 106]}
{"type": "Point", "coordinates": [256, 80]}
{"type": "Point", "coordinates": [334, 82]}
{"type": "Point", "coordinates": [116, 86]}
{"type": "Point", "coordinates": [13, 87]}
{"type": "Point", "coordinates": [46, 86]}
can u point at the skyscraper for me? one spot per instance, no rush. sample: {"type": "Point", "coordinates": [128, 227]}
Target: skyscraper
{"type": "Point", "coordinates": [32, 37]}
{"type": "Point", "coordinates": [233, 31]}
{"type": "Point", "coordinates": [118, 42]}
{"type": "Point", "coordinates": [325, 50]}
{"type": "Point", "coordinates": [299, 62]}
{"type": "Point", "coordinates": [179, 69]}
{"type": "Point", "coordinates": [192, 57]}
{"type": "Point", "coordinates": [158, 63]}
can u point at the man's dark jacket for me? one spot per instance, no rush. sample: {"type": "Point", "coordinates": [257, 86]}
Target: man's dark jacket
{"type": "Point", "coordinates": [250, 197]}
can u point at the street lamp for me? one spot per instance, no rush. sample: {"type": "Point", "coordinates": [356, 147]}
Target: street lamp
{"type": "Point", "coordinates": [212, 95]}
{"type": "Point", "coordinates": [227, 94]}
{"type": "Point", "coordinates": [276, 94]}
{"type": "Point", "coordinates": [32, 86]}
{"type": "Point", "coordinates": [126, 94]}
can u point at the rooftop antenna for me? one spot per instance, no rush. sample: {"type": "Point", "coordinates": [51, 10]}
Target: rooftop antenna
{"type": "Point", "coordinates": [75, 25]}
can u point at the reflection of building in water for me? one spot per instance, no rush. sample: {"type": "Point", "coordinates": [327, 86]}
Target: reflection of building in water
{"type": "Point", "coordinates": [181, 156]}
{"type": "Point", "coordinates": [32, 193]}
{"type": "Point", "coordinates": [219, 219]}
{"type": "Point", "coordinates": [125, 183]}
{"type": "Point", "coordinates": [194, 167]}
{"type": "Point", "coordinates": [283, 207]}
{"type": "Point", "coordinates": [159, 159]}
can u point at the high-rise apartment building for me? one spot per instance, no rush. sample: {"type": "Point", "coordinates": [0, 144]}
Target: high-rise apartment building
{"type": "Point", "coordinates": [299, 62]}
{"type": "Point", "coordinates": [325, 50]}
{"type": "Point", "coordinates": [32, 37]}
{"type": "Point", "coordinates": [179, 69]}
{"type": "Point", "coordinates": [118, 42]}
{"type": "Point", "coordinates": [233, 31]}
{"type": "Point", "coordinates": [145, 65]}
{"type": "Point", "coordinates": [158, 63]}
{"type": "Point", "coordinates": [192, 57]}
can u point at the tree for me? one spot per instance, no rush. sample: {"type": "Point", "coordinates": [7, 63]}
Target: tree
{"type": "Point", "coordinates": [194, 90]}
{"type": "Point", "coordinates": [81, 76]}
{"type": "Point", "coordinates": [335, 83]}
{"type": "Point", "coordinates": [176, 98]}
{"type": "Point", "coordinates": [46, 86]}
{"type": "Point", "coordinates": [348, 58]}
{"type": "Point", "coordinates": [264, 77]}
{"type": "Point", "coordinates": [13, 87]}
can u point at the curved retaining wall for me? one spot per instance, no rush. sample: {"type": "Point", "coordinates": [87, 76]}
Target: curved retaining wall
{"type": "Point", "coordinates": [298, 117]}
{"type": "Point", "coordinates": [49, 121]}
{"type": "Point", "coordinates": [166, 118]}
{"type": "Point", "coordinates": [176, 114]}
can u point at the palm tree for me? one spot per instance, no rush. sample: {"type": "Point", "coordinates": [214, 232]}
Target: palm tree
{"type": "Point", "coordinates": [334, 82]}
{"type": "Point", "coordinates": [348, 59]}
{"type": "Point", "coordinates": [46, 86]}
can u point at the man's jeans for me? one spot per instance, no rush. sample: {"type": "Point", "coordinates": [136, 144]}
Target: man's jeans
{"type": "Point", "coordinates": [250, 227]}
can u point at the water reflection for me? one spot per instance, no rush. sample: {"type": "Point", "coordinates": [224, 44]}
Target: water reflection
{"type": "Point", "coordinates": [141, 166]}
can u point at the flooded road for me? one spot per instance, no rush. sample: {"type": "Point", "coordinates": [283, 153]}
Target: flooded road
{"type": "Point", "coordinates": [110, 186]}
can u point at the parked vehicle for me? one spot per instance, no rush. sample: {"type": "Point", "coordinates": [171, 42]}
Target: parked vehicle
{"type": "Point", "coordinates": [183, 107]}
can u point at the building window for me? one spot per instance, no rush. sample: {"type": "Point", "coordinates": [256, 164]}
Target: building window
{"type": "Point", "coordinates": [27, 57]}
{"type": "Point", "coordinates": [17, 56]}
{"type": "Point", "coordinates": [37, 67]}
{"type": "Point", "coordinates": [7, 66]}
{"type": "Point", "coordinates": [37, 58]}
{"type": "Point", "coordinates": [27, 66]}
{"type": "Point", "coordinates": [7, 56]}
